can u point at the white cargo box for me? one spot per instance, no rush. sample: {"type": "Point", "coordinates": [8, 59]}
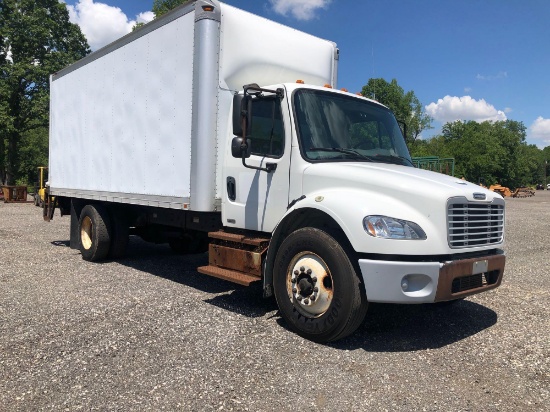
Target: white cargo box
{"type": "Point", "coordinates": [145, 119]}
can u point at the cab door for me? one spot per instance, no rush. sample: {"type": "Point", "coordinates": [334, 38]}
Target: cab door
{"type": "Point", "coordinates": [256, 199]}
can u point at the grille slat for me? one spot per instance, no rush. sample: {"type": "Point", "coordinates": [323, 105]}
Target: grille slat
{"type": "Point", "coordinates": [474, 224]}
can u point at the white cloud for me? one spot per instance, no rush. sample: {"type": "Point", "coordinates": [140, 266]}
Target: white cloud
{"type": "Point", "coordinates": [101, 23]}
{"type": "Point", "coordinates": [540, 129]}
{"type": "Point", "coordinates": [299, 9]}
{"type": "Point", "coordinates": [145, 17]}
{"type": "Point", "coordinates": [498, 76]}
{"type": "Point", "coordinates": [452, 108]}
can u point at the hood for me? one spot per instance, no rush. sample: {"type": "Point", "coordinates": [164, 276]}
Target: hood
{"type": "Point", "coordinates": [393, 180]}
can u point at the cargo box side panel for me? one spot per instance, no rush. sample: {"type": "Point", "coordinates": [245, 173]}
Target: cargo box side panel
{"type": "Point", "coordinates": [122, 123]}
{"type": "Point", "coordinates": [257, 50]}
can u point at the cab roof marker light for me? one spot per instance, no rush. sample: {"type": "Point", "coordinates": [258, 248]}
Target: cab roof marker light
{"type": "Point", "coordinates": [343, 89]}
{"type": "Point", "coordinates": [208, 8]}
{"type": "Point", "coordinates": [300, 81]}
{"type": "Point", "coordinates": [328, 86]}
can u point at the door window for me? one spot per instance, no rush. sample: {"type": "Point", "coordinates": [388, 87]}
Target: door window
{"type": "Point", "coordinates": [267, 136]}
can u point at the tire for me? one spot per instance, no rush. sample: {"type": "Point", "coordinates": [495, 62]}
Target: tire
{"type": "Point", "coordinates": [94, 228]}
{"type": "Point", "coordinates": [316, 286]}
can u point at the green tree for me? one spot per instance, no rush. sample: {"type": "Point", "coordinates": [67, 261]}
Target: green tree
{"type": "Point", "coordinates": [36, 39]}
{"type": "Point", "coordinates": [161, 7]}
{"type": "Point", "coordinates": [477, 151]}
{"type": "Point", "coordinates": [406, 106]}
{"type": "Point", "coordinates": [491, 152]}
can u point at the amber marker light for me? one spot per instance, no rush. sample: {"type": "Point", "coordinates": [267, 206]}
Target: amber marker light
{"type": "Point", "coordinates": [300, 81]}
{"type": "Point", "coordinates": [343, 89]}
{"type": "Point", "coordinates": [328, 86]}
{"type": "Point", "coordinates": [208, 8]}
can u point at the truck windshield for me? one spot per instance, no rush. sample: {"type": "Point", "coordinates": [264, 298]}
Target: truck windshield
{"type": "Point", "coordinates": [334, 127]}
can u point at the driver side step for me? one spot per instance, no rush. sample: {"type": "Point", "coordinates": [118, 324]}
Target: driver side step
{"type": "Point", "coordinates": [234, 257]}
{"type": "Point", "coordinates": [229, 275]}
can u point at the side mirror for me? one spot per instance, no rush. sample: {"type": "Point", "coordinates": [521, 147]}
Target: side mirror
{"type": "Point", "coordinates": [242, 104]}
{"type": "Point", "coordinates": [236, 147]}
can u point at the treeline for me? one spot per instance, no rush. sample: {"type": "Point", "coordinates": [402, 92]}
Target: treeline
{"type": "Point", "coordinates": [488, 153]}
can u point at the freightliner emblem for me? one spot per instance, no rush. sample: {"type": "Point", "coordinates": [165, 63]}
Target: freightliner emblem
{"type": "Point", "coordinates": [479, 196]}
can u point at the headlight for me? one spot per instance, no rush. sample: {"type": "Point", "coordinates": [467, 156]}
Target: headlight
{"type": "Point", "coordinates": [390, 228]}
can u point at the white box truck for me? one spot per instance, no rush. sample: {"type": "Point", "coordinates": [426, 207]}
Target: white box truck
{"type": "Point", "coordinates": [214, 129]}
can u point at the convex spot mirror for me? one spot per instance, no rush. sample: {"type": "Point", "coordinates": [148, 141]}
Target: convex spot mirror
{"type": "Point", "coordinates": [236, 150]}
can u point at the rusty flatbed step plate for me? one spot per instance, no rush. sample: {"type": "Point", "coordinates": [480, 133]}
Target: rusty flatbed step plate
{"type": "Point", "coordinates": [234, 237]}
{"type": "Point", "coordinates": [229, 275]}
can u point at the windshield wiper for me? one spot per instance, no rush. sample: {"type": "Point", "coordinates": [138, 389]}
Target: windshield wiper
{"type": "Point", "coordinates": [394, 159]}
{"type": "Point", "coordinates": [351, 152]}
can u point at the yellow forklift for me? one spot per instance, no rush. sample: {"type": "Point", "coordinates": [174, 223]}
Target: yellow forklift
{"type": "Point", "coordinates": [40, 186]}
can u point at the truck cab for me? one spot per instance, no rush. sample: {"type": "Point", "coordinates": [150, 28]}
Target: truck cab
{"type": "Point", "coordinates": [326, 167]}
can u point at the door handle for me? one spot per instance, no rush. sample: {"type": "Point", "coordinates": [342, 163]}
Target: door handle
{"type": "Point", "coordinates": [231, 188]}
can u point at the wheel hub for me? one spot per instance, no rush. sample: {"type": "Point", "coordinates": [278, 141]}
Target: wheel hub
{"type": "Point", "coordinates": [86, 230]}
{"type": "Point", "coordinates": [310, 286]}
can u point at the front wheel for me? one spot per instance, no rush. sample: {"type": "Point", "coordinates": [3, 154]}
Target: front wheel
{"type": "Point", "coordinates": [316, 286]}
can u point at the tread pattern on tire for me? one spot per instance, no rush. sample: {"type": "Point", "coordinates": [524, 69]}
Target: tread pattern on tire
{"type": "Point", "coordinates": [350, 291]}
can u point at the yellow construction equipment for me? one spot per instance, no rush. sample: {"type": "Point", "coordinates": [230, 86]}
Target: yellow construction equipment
{"type": "Point", "coordinates": [523, 192]}
{"type": "Point", "coordinates": [506, 192]}
{"type": "Point", "coordinates": [501, 190]}
{"type": "Point", "coordinates": [40, 186]}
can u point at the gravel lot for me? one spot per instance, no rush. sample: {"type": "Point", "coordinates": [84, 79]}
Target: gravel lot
{"type": "Point", "coordinates": [150, 333]}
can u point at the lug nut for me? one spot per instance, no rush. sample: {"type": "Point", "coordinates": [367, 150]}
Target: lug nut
{"type": "Point", "coordinates": [312, 297]}
{"type": "Point", "coordinates": [293, 280]}
{"type": "Point", "coordinates": [299, 297]}
{"type": "Point", "coordinates": [316, 289]}
{"type": "Point", "coordinates": [302, 269]}
{"type": "Point", "coordinates": [306, 301]}
{"type": "Point", "coordinates": [309, 272]}
{"type": "Point", "coordinates": [294, 290]}
{"type": "Point", "coordinates": [314, 279]}
{"type": "Point", "coordinates": [296, 272]}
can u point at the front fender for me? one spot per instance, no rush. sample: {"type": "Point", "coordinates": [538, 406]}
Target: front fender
{"type": "Point", "coordinates": [347, 207]}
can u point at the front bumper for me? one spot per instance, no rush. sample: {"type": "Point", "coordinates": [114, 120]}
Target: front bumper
{"type": "Point", "coordinates": [428, 282]}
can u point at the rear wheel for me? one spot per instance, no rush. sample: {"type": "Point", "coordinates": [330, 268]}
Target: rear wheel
{"type": "Point", "coordinates": [95, 233]}
{"type": "Point", "coordinates": [316, 286]}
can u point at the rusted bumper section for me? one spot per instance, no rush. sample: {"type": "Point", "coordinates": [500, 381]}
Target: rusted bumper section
{"type": "Point", "coordinates": [391, 281]}
{"type": "Point", "coordinates": [462, 278]}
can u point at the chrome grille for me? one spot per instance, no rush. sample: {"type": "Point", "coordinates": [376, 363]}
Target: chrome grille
{"type": "Point", "coordinates": [474, 224]}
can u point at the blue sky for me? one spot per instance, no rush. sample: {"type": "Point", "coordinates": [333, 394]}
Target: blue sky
{"type": "Point", "coordinates": [468, 60]}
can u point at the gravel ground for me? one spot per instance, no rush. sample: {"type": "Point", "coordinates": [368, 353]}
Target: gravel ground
{"type": "Point", "coordinates": [150, 333]}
